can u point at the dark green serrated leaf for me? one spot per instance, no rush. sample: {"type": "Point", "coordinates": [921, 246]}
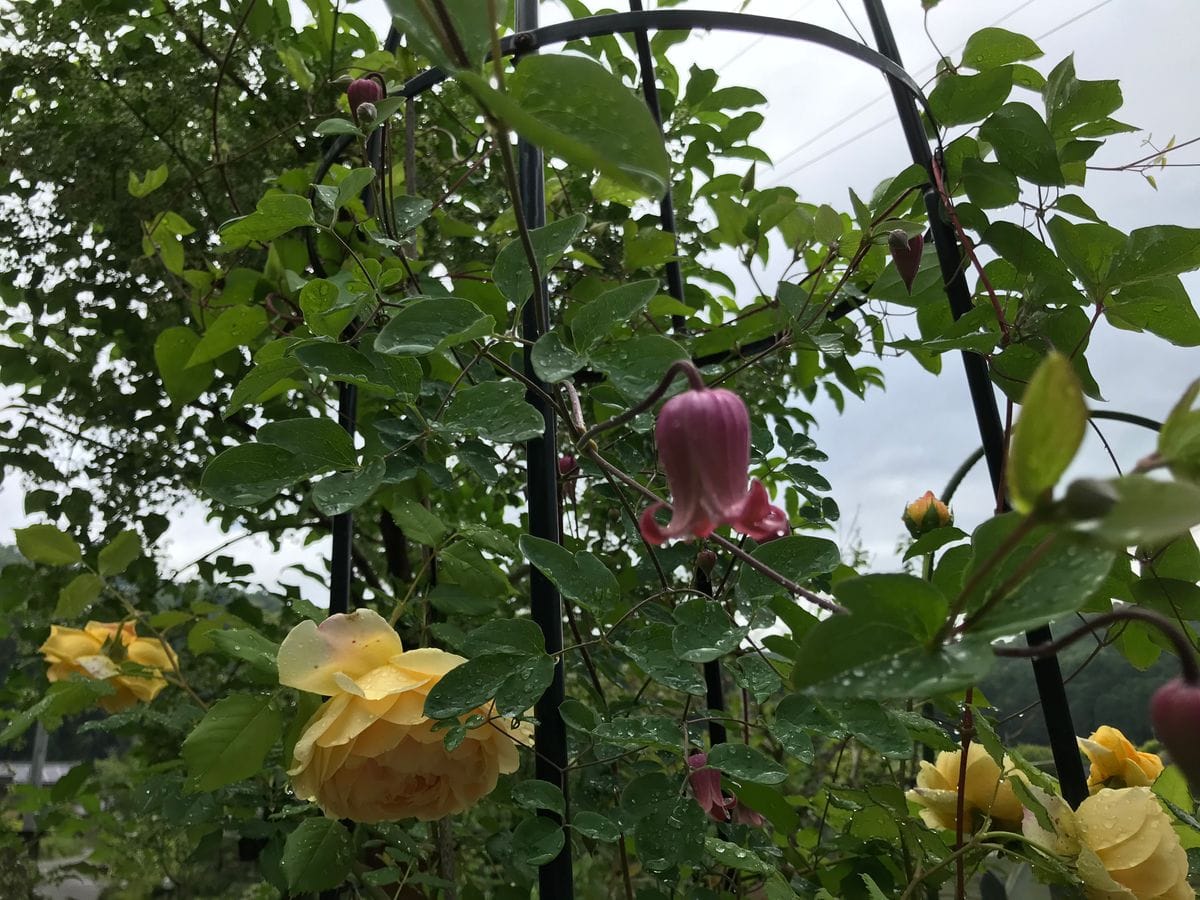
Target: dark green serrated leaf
{"type": "Point", "coordinates": [317, 855]}
{"type": "Point", "coordinates": [231, 741]}
{"type": "Point", "coordinates": [78, 595]}
{"type": "Point", "coordinates": [46, 544]}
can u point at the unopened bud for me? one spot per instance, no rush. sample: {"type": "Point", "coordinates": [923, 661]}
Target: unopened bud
{"type": "Point", "coordinates": [706, 561]}
{"type": "Point", "coordinates": [1175, 714]}
{"type": "Point", "coordinates": [567, 464]}
{"type": "Point", "coordinates": [925, 514]}
{"type": "Point", "coordinates": [906, 254]}
{"type": "Point", "coordinates": [363, 90]}
{"type": "Point", "coordinates": [366, 113]}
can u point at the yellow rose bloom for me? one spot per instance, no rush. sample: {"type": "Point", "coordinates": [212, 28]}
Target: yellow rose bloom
{"type": "Point", "coordinates": [72, 651]}
{"type": "Point", "coordinates": [987, 790]}
{"type": "Point", "coordinates": [1130, 851]}
{"type": "Point", "coordinates": [369, 753]}
{"type": "Point", "coordinates": [1116, 762]}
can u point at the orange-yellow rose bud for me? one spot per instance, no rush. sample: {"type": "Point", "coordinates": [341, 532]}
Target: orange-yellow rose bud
{"type": "Point", "coordinates": [369, 753]}
{"type": "Point", "coordinates": [96, 651]}
{"type": "Point", "coordinates": [987, 790]}
{"type": "Point", "coordinates": [1116, 762]}
{"type": "Point", "coordinates": [925, 514]}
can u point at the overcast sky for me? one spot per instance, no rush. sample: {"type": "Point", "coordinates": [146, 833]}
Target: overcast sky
{"type": "Point", "coordinates": [830, 126]}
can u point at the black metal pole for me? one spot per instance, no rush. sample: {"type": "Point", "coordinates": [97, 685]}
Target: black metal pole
{"type": "Point", "coordinates": [1046, 671]}
{"type": "Point", "coordinates": [555, 878]}
{"type": "Point", "coordinates": [666, 206]}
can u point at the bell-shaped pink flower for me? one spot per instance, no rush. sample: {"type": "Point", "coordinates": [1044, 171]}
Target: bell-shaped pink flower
{"type": "Point", "coordinates": [906, 254]}
{"type": "Point", "coordinates": [706, 788]}
{"type": "Point", "coordinates": [703, 439]}
{"type": "Point", "coordinates": [744, 815]}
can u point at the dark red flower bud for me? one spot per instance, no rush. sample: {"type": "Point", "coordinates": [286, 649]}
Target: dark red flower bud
{"type": "Point", "coordinates": [906, 254]}
{"type": "Point", "coordinates": [363, 90]}
{"type": "Point", "coordinates": [567, 464]}
{"type": "Point", "coordinates": [706, 561]}
{"type": "Point", "coordinates": [1175, 713]}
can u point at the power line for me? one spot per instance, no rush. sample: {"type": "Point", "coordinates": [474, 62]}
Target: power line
{"type": "Point", "coordinates": [799, 8]}
{"type": "Point", "coordinates": [883, 122]}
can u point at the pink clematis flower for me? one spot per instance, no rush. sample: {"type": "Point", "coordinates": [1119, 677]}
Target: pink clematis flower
{"type": "Point", "coordinates": [744, 815]}
{"type": "Point", "coordinates": [706, 788]}
{"type": "Point", "coordinates": [703, 439]}
{"type": "Point", "coordinates": [906, 254]}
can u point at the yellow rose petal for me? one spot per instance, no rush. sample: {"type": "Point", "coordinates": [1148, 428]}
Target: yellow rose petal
{"type": "Point", "coordinates": [1109, 817]}
{"type": "Point", "coordinates": [68, 644]}
{"type": "Point", "coordinates": [352, 644]}
{"type": "Point", "coordinates": [427, 661]}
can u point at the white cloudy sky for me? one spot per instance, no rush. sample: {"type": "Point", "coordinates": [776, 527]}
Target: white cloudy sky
{"type": "Point", "coordinates": [829, 127]}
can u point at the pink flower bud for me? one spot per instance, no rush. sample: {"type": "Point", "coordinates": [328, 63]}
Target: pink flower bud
{"type": "Point", "coordinates": [706, 788]}
{"type": "Point", "coordinates": [1175, 713]}
{"type": "Point", "coordinates": [703, 439]}
{"type": "Point", "coordinates": [706, 561]}
{"type": "Point", "coordinates": [906, 254]}
{"type": "Point", "coordinates": [363, 90]}
{"type": "Point", "coordinates": [567, 465]}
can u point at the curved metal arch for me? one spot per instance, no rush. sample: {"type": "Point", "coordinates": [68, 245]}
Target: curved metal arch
{"type": "Point", "coordinates": [683, 20]}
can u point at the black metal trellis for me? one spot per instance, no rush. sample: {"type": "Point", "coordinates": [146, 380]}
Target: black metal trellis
{"type": "Point", "coordinates": [556, 880]}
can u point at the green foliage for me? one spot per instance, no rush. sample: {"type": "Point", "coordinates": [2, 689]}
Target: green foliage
{"type": "Point", "coordinates": [186, 335]}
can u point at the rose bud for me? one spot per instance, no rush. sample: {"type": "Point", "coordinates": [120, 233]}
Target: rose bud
{"type": "Point", "coordinates": [363, 90]}
{"type": "Point", "coordinates": [906, 254]}
{"type": "Point", "coordinates": [1175, 714]}
{"type": "Point", "coordinates": [703, 438]}
{"type": "Point", "coordinates": [925, 514]}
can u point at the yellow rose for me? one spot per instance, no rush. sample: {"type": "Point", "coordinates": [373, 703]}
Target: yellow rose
{"type": "Point", "coordinates": [369, 753]}
{"type": "Point", "coordinates": [90, 653]}
{"type": "Point", "coordinates": [1130, 851]}
{"type": "Point", "coordinates": [1116, 762]}
{"type": "Point", "coordinates": [926, 513]}
{"type": "Point", "coordinates": [987, 790]}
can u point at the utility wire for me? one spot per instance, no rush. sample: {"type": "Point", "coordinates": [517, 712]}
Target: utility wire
{"type": "Point", "coordinates": [883, 122]}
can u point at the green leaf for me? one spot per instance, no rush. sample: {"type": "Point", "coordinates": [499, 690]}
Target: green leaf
{"type": "Point", "coordinates": [636, 365]}
{"type": "Point", "coordinates": [410, 212]}
{"type": "Point", "coordinates": [989, 185]}
{"type": "Point", "coordinates": [172, 351]}
{"type": "Point", "coordinates": [46, 544]}
{"type": "Point", "coordinates": [470, 685]}
{"type": "Point", "coordinates": [276, 214]}
{"type": "Point", "coordinates": [352, 185]}
{"type": "Point", "coordinates": [704, 632]}
{"type": "Point", "coordinates": [798, 557]}
{"type": "Point", "coordinates": [576, 109]}
{"type": "Point", "coordinates": [649, 644]}
{"type": "Point", "coordinates": [734, 857]}
{"type": "Point", "coordinates": [317, 855]}
{"type": "Point", "coordinates": [318, 443]}
{"type": "Point", "coordinates": [597, 319]}
{"type": "Point", "coordinates": [1179, 439]}
{"type": "Point", "coordinates": [580, 577]}
{"type": "Point", "coordinates": [78, 595]}
{"type": "Point", "coordinates": [640, 731]}
{"type": "Point", "coordinates": [553, 360]}
{"type": "Point", "coordinates": [249, 646]}
{"type": "Point", "coordinates": [495, 411]}
{"type": "Point", "coordinates": [1023, 143]}
{"type": "Point", "coordinates": [1161, 306]}
{"type": "Point", "coordinates": [417, 522]}
{"type": "Point", "coordinates": [933, 540]}
{"type": "Point", "coordinates": [1071, 102]}
{"type": "Point", "coordinates": [593, 825]}
{"type": "Point", "coordinates": [538, 840]}
{"type": "Point", "coordinates": [395, 376]}
{"type": "Point", "coordinates": [236, 327]}
{"type": "Point", "coordinates": [746, 764]}
{"type": "Point", "coordinates": [250, 473]}
{"type": "Point", "coordinates": [115, 557]}
{"type": "Point", "coordinates": [511, 270]}
{"type": "Point", "coordinates": [1146, 511]}
{"type": "Point", "coordinates": [470, 21]}
{"type": "Point", "coordinates": [516, 637]}
{"type": "Point", "coordinates": [430, 324]}
{"type": "Point", "coordinates": [327, 310]}
{"type": "Point", "coordinates": [958, 99]}
{"type": "Point", "coordinates": [1156, 251]}
{"type": "Point", "coordinates": [991, 47]}
{"type": "Point", "coordinates": [344, 491]}
{"type": "Point", "coordinates": [1048, 433]}
{"type": "Point", "coordinates": [63, 698]}
{"type": "Point", "coordinates": [148, 183]}
{"type": "Point", "coordinates": [264, 380]}
{"type": "Point", "coordinates": [1088, 250]}
{"type": "Point", "coordinates": [671, 834]}
{"type": "Point", "coordinates": [537, 794]}
{"type": "Point", "coordinates": [231, 741]}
